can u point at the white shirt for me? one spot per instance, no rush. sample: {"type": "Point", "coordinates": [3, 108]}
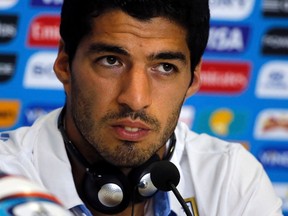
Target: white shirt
{"type": "Point", "coordinates": [223, 178]}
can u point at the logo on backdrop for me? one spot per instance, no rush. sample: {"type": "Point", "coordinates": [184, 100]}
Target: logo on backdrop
{"type": "Point", "coordinates": [8, 27]}
{"type": "Point", "coordinates": [228, 39]}
{"type": "Point", "coordinates": [44, 31]}
{"type": "Point", "coordinates": [272, 80]}
{"type": "Point", "coordinates": [274, 158]}
{"type": "Point", "coordinates": [32, 113]}
{"type": "Point", "coordinates": [47, 3]}
{"type": "Point", "coordinates": [5, 4]}
{"type": "Point", "coordinates": [275, 42]}
{"type": "Point", "coordinates": [231, 9]}
{"type": "Point", "coordinates": [275, 8]}
{"type": "Point", "coordinates": [39, 72]}
{"type": "Point", "coordinates": [224, 77]}
{"type": "Point", "coordinates": [222, 122]}
{"type": "Point", "coordinates": [272, 124]}
{"type": "Point", "coordinates": [7, 67]}
{"type": "Point", "coordinates": [9, 112]}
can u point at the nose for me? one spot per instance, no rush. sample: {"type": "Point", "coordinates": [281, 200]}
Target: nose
{"type": "Point", "coordinates": [136, 89]}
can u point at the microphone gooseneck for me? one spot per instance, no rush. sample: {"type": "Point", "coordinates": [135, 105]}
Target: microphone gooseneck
{"type": "Point", "coordinates": [165, 176]}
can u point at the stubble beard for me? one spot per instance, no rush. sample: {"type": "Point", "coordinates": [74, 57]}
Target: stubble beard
{"type": "Point", "coordinates": [126, 154]}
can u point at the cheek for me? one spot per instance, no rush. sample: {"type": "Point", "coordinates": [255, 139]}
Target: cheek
{"type": "Point", "coordinates": [172, 93]}
{"type": "Point", "coordinates": [96, 93]}
{"type": "Point", "coordinates": [169, 104]}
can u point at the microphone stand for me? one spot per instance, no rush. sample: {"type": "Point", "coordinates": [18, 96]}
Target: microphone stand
{"type": "Point", "coordinates": [180, 199]}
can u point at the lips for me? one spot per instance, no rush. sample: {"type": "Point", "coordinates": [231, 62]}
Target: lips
{"type": "Point", "coordinates": [130, 130]}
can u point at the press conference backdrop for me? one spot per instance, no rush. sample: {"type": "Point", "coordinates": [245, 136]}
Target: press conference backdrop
{"type": "Point", "coordinates": [244, 93]}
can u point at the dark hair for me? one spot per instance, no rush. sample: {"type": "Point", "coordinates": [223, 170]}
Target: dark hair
{"type": "Point", "coordinates": [193, 15]}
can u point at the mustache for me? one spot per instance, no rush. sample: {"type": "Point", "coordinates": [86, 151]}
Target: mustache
{"type": "Point", "coordinates": [126, 112]}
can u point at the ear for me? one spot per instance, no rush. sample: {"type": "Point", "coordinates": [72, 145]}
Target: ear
{"type": "Point", "coordinates": [195, 85]}
{"type": "Point", "coordinates": [62, 68]}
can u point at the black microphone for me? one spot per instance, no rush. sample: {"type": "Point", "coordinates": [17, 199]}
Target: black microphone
{"type": "Point", "coordinates": [165, 176]}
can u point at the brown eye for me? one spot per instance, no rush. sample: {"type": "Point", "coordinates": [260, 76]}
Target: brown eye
{"type": "Point", "coordinates": [168, 67]}
{"type": "Point", "coordinates": [165, 68]}
{"type": "Point", "coordinates": [111, 60]}
{"type": "Point", "coordinates": [108, 61]}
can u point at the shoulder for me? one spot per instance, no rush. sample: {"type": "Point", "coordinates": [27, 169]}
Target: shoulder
{"type": "Point", "coordinates": [204, 143]}
{"type": "Point", "coordinates": [227, 166]}
{"type": "Point", "coordinates": [17, 146]}
{"type": "Point", "coordinates": [23, 137]}
{"type": "Point", "coordinates": [218, 159]}
{"type": "Point", "coordinates": [212, 150]}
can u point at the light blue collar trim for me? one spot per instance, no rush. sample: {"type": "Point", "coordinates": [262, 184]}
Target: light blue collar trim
{"type": "Point", "coordinates": [80, 210]}
{"type": "Point", "coordinates": [162, 204]}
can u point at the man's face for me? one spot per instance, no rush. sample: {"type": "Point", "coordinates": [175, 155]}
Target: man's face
{"type": "Point", "coordinates": [127, 83]}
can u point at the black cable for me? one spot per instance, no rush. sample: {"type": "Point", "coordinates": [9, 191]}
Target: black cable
{"type": "Point", "coordinates": [180, 199]}
{"type": "Point", "coordinates": [133, 200]}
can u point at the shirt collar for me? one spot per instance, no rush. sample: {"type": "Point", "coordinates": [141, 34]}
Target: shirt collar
{"type": "Point", "coordinates": [50, 152]}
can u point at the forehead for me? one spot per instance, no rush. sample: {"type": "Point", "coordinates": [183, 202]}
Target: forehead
{"type": "Point", "coordinates": [118, 27]}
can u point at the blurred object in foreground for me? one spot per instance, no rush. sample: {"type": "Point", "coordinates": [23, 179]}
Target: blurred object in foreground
{"type": "Point", "coordinates": [20, 197]}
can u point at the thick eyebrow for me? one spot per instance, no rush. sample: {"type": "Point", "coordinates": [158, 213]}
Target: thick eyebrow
{"type": "Point", "coordinates": [102, 47]}
{"type": "Point", "coordinates": [169, 56]}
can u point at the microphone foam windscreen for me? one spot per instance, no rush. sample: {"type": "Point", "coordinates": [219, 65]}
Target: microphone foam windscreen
{"type": "Point", "coordinates": [163, 174]}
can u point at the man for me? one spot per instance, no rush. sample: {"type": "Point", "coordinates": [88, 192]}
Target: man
{"type": "Point", "coordinates": [127, 66]}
